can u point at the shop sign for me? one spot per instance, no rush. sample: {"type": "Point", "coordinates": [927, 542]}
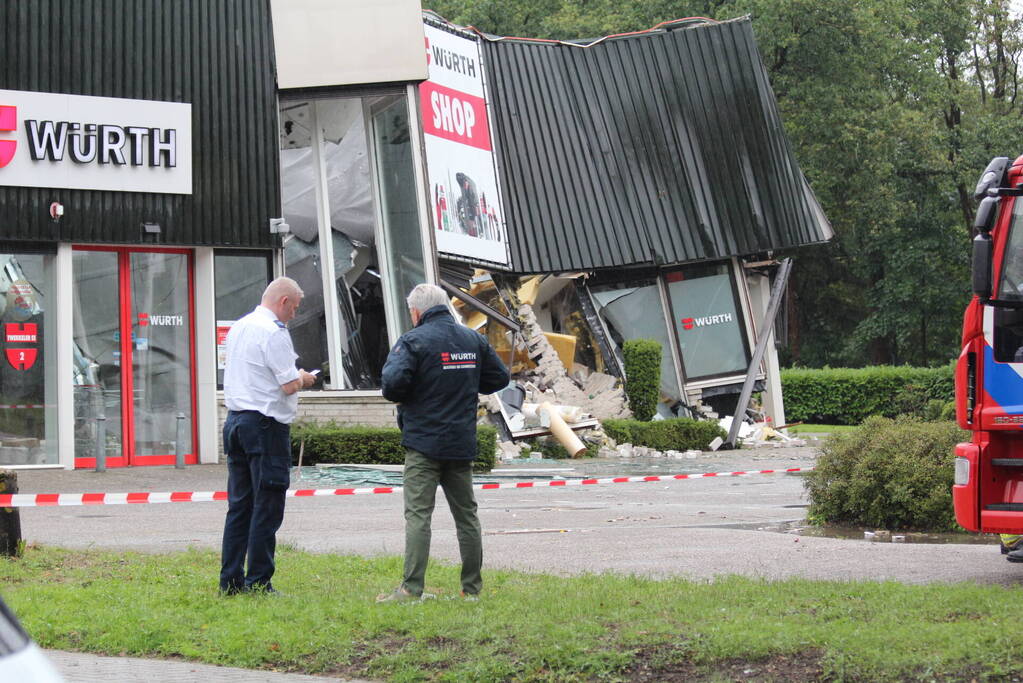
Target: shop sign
{"type": "Point", "coordinates": [20, 357]}
{"type": "Point", "coordinates": [463, 178]}
{"type": "Point", "coordinates": [94, 143]}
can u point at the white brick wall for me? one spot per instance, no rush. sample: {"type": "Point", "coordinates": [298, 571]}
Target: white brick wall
{"type": "Point", "coordinates": [349, 408]}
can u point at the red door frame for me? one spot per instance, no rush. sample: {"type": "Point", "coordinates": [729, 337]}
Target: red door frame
{"type": "Point", "coordinates": [127, 349]}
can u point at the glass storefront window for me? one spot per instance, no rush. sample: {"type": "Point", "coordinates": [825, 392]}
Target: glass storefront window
{"type": "Point", "coordinates": [343, 190]}
{"type": "Point", "coordinates": [97, 352]}
{"type": "Point", "coordinates": [240, 278]}
{"type": "Point", "coordinates": [710, 331]}
{"type": "Point", "coordinates": [404, 248]}
{"type": "Point", "coordinates": [28, 410]}
{"type": "Point", "coordinates": [636, 313]}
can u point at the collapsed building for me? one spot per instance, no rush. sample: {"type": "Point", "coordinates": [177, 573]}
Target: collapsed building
{"type": "Point", "coordinates": [648, 190]}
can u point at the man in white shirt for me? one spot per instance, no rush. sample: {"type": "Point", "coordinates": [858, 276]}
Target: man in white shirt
{"type": "Point", "coordinates": [260, 389]}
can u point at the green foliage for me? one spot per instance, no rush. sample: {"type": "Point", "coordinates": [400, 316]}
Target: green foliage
{"type": "Point", "coordinates": [333, 443]}
{"type": "Point", "coordinates": [888, 474]}
{"type": "Point", "coordinates": [676, 434]}
{"type": "Point", "coordinates": [848, 396]}
{"type": "Point", "coordinates": [643, 376]}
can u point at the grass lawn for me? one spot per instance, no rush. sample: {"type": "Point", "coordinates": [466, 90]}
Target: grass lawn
{"type": "Point", "coordinates": [526, 627]}
{"type": "Point", "coordinates": [821, 429]}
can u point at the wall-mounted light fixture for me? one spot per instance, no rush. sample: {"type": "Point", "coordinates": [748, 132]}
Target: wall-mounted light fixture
{"type": "Point", "coordinates": [150, 228]}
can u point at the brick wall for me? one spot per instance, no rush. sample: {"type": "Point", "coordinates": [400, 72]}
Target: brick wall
{"type": "Point", "coordinates": [355, 407]}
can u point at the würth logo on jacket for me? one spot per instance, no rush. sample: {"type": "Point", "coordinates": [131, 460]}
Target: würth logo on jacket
{"type": "Point", "coordinates": [458, 361]}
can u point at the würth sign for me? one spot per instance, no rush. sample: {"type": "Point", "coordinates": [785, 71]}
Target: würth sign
{"type": "Point", "coordinates": [95, 143]}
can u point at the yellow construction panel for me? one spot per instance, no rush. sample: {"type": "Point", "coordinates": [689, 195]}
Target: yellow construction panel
{"type": "Point", "coordinates": [529, 289]}
{"type": "Point", "coordinates": [564, 344]}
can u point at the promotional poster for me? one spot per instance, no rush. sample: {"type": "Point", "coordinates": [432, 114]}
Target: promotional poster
{"type": "Point", "coordinates": [464, 194]}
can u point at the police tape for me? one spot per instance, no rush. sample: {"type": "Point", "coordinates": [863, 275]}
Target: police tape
{"type": "Point", "coordinates": [21, 500]}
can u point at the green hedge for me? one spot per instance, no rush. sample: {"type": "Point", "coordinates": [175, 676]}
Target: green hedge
{"type": "Point", "coordinates": [887, 474]}
{"type": "Point", "coordinates": [359, 445]}
{"type": "Point", "coordinates": [676, 434]}
{"type": "Point", "coordinates": [848, 396]}
{"type": "Point", "coordinates": [643, 376]}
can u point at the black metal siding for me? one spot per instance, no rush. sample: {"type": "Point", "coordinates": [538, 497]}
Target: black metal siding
{"type": "Point", "coordinates": [662, 148]}
{"type": "Point", "coordinates": [215, 54]}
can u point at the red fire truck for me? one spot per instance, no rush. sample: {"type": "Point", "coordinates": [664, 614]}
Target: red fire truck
{"type": "Point", "coordinates": [988, 490]}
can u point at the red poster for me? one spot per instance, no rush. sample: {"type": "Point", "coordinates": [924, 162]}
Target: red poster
{"type": "Point", "coordinates": [21, 359]}
{"type": "Point", "coordinates": [20, 333]}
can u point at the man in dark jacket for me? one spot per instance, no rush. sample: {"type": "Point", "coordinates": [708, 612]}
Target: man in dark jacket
{"type": "Point", "coordinates": [435, 373]}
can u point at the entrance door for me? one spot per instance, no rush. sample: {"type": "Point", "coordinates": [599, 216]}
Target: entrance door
{"type": "Point", "coordinates": [134, 355]}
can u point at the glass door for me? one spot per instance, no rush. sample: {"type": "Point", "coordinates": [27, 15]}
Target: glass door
{"type": "Point", "coordinates": [133, 310]}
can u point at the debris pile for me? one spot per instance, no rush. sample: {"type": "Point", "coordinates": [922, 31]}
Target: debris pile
{"type": "Point", "coordinates": [598, 394]}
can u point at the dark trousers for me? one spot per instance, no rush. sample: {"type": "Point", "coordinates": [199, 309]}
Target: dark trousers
{"type": "Point", "coordinates": [258, 452]}
{"type": "Point", "coordinates": [422, 476]}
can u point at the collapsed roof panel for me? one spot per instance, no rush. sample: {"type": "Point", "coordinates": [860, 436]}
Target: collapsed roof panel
{"type": "Point", "coordinates": [661, 147]}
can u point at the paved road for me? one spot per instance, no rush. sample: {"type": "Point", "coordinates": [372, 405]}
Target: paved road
{"type": "Point", "coordinates": [698, 528]}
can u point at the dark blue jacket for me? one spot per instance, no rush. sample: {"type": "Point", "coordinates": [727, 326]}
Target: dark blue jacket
{"type": "Point", "coordinates": [435, 372]}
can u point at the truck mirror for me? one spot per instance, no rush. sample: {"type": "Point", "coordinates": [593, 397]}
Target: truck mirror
{"type": "Point", "coordinates": [993, 176]}
{"type": "Point", "coordinates": [985, 219]}
{"type": "Point", "coordinates": [982, 251]}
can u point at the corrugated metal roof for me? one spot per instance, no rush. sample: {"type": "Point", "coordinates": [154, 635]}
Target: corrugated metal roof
{"type": "Point", "coordinates": [663, 147]}
{"type": "Point", "coordinates": [216, 55]}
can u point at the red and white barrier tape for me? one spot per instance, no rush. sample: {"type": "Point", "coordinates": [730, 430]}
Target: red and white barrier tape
{"type": "Point", "coordinates": [21, 500]}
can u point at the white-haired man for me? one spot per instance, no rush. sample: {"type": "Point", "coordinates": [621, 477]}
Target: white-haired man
{"type": "Point", "coordinates": [260, 385]}
{"type": "Point", "coordinates": [436, 373]}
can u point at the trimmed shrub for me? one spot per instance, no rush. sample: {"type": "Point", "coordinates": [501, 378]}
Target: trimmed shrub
{"type": "Point", "coordinates": [333, 443]}
{"type": "Point", "coordinates": [887, 474]}
{"type": "Point", "coordinates": [848, 396]}
{"type": "Point", "coordinates": [676, 434]}
{"type": "Point", "coordinates": [643, 376]}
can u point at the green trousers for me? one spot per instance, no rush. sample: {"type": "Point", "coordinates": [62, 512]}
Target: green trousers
{"type": "Point", "coordinates": [422, 476]}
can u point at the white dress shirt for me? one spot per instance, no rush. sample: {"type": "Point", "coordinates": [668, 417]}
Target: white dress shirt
{"type": "Point", "coordinates": [260, 359]}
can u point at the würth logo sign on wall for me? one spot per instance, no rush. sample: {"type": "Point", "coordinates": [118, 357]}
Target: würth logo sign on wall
{"type": "Point", "coordinates": [8, 122]}
{"type": "Point", "coordinates": [704, 321]}
{"type": "Point", "coordinates": [16, 336]}
{"type": "Point", "coordinates": [94, 143]}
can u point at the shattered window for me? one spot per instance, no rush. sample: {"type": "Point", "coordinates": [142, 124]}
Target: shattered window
{"type": "Point", "coordinates": [356, 267]}
{"type": "Point", "coordinates": [567, 318]}
{"type": "Point", "coordinates": [636, 313]}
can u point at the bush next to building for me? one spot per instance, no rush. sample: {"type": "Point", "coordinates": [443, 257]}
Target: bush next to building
{"type": "Point", "coordinates": [676, 434]}
{"type": "Point", "coordinates": [643, 376]}
{"type": "Point", "coordinates": [358, 445]}
{"type": "Point", "coordinates": [887, 474]}
{"type": "Point", "coordinates": [847, 396]}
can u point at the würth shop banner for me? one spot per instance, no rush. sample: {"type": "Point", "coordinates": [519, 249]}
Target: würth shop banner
{"type": "Point", "coordinates": [94, 143]}
{"type": "Point", "coordinates": [464, 189]}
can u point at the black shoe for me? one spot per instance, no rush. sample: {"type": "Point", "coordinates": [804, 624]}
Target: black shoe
{"type": "Point", "coordinates": [1015, 555]}
{"type": "Point", "coordinates": [264, 589]}
{"type": "Point", "coordinates": [233, 590]}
